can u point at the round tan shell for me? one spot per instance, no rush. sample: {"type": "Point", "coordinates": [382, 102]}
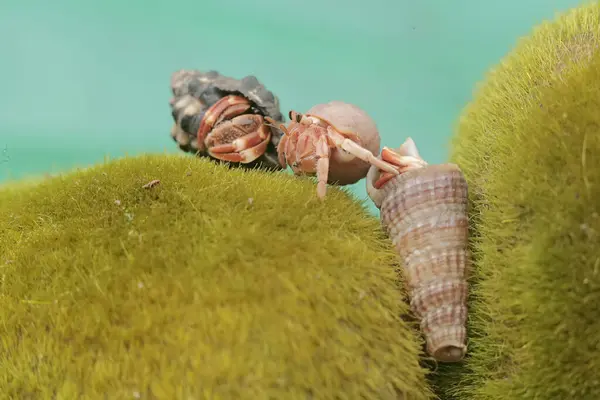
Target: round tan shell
{"type": "Point", "coordinates": [348, 117]}
{"type": "Point", "coordinates": [425, 213]}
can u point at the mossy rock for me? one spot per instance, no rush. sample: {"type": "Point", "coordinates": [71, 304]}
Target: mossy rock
{"type": "Point", "coordinates": [217, 283]}
{"type": "Point", "coordinates": [529, 146]}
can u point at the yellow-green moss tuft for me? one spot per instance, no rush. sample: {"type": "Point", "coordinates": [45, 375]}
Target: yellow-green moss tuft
{"type": "Point", "coordinates": [217, 283]}
{"type": "Point", "coordinates": [529, 146]}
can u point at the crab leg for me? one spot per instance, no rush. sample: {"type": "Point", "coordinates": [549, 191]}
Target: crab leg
{"type": "Point", "coordinates": [323, 152]}
{"type": "Point", "coordinates": [241, 143]}
{"type": "Point", "coordinates": [313, 119]}
{"type": "Point", "coordinates": [383, 179]}
{"type": "Point", "coordinates": [405, 159]}
{"type": "Point", "coordinates": [244, 156]}
{"type": "Point", "coordinates": [403, 162]}
{"type": "Point", "coordinates": [277, 125]}
{"type": "Point", "coordinates": [281, 148]}
{"type": "Point", "coordinates": [360, 152]}
{"type": "Point", "coordinates": [224, 108]}
{"type": "Point", "coordinates": [281, 151]}
{"type": "Point", "coordinates": [290, 151]}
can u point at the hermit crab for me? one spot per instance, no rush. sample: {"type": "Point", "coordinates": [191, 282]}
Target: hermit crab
{"type": "Point", "coordinates": [223, 118]}
{"type": "Point", "coordinates": [424, 210]}
{"type": "Point", "coordinates": [335, 141]}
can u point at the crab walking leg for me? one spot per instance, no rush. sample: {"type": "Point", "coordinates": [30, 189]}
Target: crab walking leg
{"type": "Point", "coordinates": [323, 153]}
{"type": "Point", "coordinates": [241, 143]}
{"type": "Point", "coordinates": [291, 150]}
{"type": "Point", "coordinates": [281, 147]}
{"type": "Point", "coordinates": [224, 108]}
{"type": "Point", "coordinates": [384, 177]}
{"type": "Point", "coordinates": [360, 152]}
{"type": "Point", "coordinates": [403, 163]}
{"type": "Point", "coordinates": [281, 151]}
{"type": "Point", "coordinates": [244, 156]}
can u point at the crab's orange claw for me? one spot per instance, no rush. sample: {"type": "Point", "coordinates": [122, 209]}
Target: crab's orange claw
{"type": "Point", "coordinates": [384, 177]}
{"type": "Point", "coordinates": [390, 156]}
{"type": "Point", "coordinates": [404, 159]}
{"type": "Point", "coordinates": [403, 163]}
{"type": "Point", "coordinates": [393, 158]}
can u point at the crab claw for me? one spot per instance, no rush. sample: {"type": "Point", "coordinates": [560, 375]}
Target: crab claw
{"type": "Point", "coordinates": [405, 158]}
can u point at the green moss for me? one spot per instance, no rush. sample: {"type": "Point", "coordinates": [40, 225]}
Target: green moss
{"type": "Point", "coordinates": [217, 283]}
{"type": "Point", "coordinates": [529, 146]}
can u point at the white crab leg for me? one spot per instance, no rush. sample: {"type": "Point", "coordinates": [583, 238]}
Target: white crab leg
{"type": "Point", "coordinates": [406, 156]}
{"type": "Point", "coordinates": [402, 162]}
{"type": "Point", "coordinates": [322, 154]}
{"type": "Point", "coordinates": [360, 152]}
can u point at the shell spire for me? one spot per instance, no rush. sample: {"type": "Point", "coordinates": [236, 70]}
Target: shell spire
{"type": "Point", "coordinates": [424, 210]}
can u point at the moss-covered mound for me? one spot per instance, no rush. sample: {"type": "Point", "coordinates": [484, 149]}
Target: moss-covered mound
{"type": "Point", "coordinates": [216, 283]}
{"type": "Point", "coordinates": [529, 145]}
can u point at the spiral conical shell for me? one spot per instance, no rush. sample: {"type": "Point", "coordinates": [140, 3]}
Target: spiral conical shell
{"type": "Point", "coordinates": [425, 213]}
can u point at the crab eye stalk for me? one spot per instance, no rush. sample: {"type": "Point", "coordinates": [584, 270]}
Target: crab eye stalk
{"type": "Point", "coordinates": [295, 116]}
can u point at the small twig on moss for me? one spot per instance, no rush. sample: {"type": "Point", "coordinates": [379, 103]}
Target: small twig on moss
{"type": "Point", "coordinates": [151, 184]}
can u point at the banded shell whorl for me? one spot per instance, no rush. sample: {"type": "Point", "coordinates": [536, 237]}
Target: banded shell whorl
{"type": "Point", "coordinates": [425, 213]}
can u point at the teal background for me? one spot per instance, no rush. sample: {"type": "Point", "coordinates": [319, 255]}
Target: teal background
{"type": "Point", "coordinates": [82, 79]}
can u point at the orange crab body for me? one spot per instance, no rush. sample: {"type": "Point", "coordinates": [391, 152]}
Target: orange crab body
{"type": "Point", "coordinates": [227, 133]}
{"type": "Point", "coordinates": [223, 118]}
{"type": "Point", "coordinates": [335, 141]}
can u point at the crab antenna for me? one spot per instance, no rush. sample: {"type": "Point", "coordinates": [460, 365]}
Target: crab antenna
{"type": "Point", "coordinates": [273, 124]}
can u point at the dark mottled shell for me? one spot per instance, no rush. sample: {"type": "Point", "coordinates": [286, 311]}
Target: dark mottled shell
{"type": "Point", "coordinates": [194, 91]}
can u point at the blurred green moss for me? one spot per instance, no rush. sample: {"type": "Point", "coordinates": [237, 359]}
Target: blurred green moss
{"type": "Point", "coordinates": [529, 145]}
{"type": "Point", "coordinates": [216, 283]}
